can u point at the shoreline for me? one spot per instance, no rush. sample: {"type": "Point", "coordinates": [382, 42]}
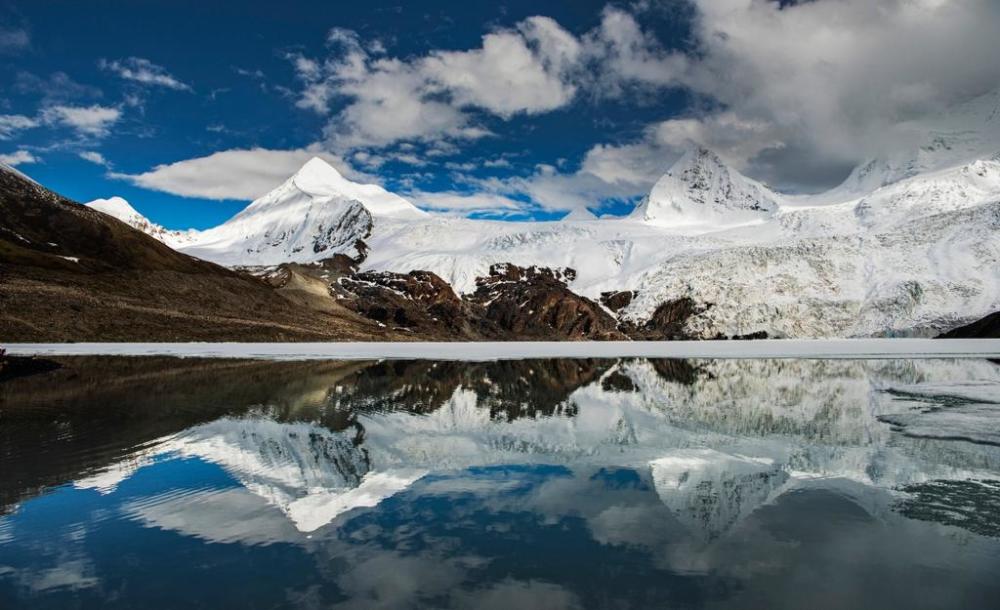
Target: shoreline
{"type": "Point", "coordinates": [478, 351]}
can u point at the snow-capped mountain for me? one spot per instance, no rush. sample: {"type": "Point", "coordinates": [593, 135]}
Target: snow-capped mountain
{"type": "Point", "coordinates": [123, 211]}
{"type": "Point", "coordinates": [908, 244]}
{"type": "Point", "coordinates": [312, 216]}
{"type": "Point", "coordinates": [701, 190]}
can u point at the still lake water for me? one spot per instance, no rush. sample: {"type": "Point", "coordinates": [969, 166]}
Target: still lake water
{"type": "Point", "coordinates": [624, 483]}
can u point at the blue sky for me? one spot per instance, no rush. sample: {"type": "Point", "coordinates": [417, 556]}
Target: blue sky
{"type": "Point", "coordinates": [519, 110]}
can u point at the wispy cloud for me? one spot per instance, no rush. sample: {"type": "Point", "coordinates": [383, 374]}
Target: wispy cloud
{"type": "Point", "coordinates": [94, 157]}
{"type": "Point", "coordinates": [20, 157]}
{"type": "Point", "coordinates": [144, 72]}
{"type": "Point", "coordinates": [13, 40]}
{"type": "Point", "coordinates": [93, 121]}
{"type": "Point", "coordinates": [57, 87]}
{"type": "Point", "coordinates": [11, 124]}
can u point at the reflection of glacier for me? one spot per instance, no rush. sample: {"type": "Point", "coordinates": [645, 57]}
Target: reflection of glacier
{"type": "Point", "coordinates": [717, 444]}
{"type": "Point", "coordinates": [711, 491]}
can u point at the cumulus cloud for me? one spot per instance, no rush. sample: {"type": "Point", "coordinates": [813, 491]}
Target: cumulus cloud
{"type": "Point", "coordinates": [144, 72]}
{"type": "Point", "coordinates": [515, 71]}
{"type": "Point", "coordinates": [19, 158]}
{"type": "Point", "coordinates": [11, 124]}
{"type": "Point", "coordinates": [534, 67]}
{"type": "Point", "coordinates": [833, 80]}
{"type": "Point", "coordinates": [94, 121]}
{"type": "Point", "coordinates": [794, 95]}
{"type": "Point", "coordinates": [240, 174]}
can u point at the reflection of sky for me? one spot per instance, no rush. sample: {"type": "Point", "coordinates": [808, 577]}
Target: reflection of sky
{"type": "Point", "coordinates": [675, 494]}
{"type": "Point", "coordinates": [502, 536]}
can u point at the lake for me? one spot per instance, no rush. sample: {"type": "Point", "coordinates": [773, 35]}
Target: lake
{"type": "Point", "coordinates": [159, 482]}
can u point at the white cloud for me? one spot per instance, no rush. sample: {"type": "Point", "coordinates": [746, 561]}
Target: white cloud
{"type": "Point", "coordinates": [831, 81]}
{"type": "Point", "coordinates": [624, 54]}
{"type": "Point", "coordinates": [94, 157]}
{"type": "Point", "coordinates": [19, 158]}
{"type": "Point", "coordinates": [92, 121]}
{"type": "Point", "coordinates": [463, 204]}
{"type": "Point", "coordinates": [794, 96]}
{"type": "Point", "coordinates": [513, 72]}
{"type": "Point", "coordinates": [241, 174]}
{"type": "Point", "coordinates": [143, 71]}
{"type": "Point", "coordinates": [10, 124]}
{"type": "Point", "coordinates": [534, 67]}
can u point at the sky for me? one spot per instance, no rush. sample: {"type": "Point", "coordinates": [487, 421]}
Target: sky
{"type": "Point", "coordinates": [513, 110]}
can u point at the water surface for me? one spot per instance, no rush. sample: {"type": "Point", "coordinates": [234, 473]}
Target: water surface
{"type": "Point", "coordinates": [162, 483]}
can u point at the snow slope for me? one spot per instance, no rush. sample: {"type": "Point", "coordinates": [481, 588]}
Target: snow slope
{"type": "Point", "coordinates": [123, 211]}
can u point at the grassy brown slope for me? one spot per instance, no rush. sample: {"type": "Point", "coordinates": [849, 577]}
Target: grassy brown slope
{"type": "Point", "coordinates": [69, 273]}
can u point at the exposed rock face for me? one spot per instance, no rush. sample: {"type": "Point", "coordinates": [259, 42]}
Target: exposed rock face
{"type": "Point", "coordinates": [511, 303]}
{"type": "Point", "coordinates": [616, 381]}
{"type": "Point", "coordinates": [534, 303]}
{"type": "Point", "coordinates": [668, 322]}
{"type": "Point", "coordinates": [985, 328]}
{"type": "Point", "coordinates": [418, 299]}
{"type": "Point", "coordinates": [617, 300]}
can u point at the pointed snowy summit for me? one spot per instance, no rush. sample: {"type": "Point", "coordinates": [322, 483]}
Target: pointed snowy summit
{"type": "Point", "coordinates": [320, 179]}
{"type": "Point", "coordinates": [313, 215]}
{"type": "Point", "coordinates": [579, 214]}
{"type": "Point", "coordinates": [701, 190]}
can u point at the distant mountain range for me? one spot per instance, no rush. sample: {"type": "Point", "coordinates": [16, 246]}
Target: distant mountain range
{"type": "Point", "coordinates": [908, 245]}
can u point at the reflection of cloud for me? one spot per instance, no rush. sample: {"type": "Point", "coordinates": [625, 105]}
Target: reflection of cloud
{"type": "Point", "coordinates": [524, 595]}
{"type": "Point", "coordinates": [391, 580]}
{"type": "Point", "coordinates": [72, 574]}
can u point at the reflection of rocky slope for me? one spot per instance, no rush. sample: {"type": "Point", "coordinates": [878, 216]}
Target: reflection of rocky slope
{"type": "Point", "coordinates": [92, 414]}
{"type": "Point", "coordinates": [718, 438]}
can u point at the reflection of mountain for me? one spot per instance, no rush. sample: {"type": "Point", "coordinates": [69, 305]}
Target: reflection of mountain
{"type": "Point", "coordinates": [718, 438]}
{"type": "Point", "coordinates": [710, 491]}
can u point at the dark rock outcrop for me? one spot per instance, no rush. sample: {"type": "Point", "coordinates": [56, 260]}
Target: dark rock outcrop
{"type": "Point", "coordinates": [616, 381]}
{"type": "Point", "coordinates": [617, 300]}
{"type": "Point", "coordinates": [415, 300]}
{"type": "Point", "coordinates": [668, 322]}
{"type": "Point", "coordinates": [985, 328]}
{"type": "Point", "coordinates": [535, 303]}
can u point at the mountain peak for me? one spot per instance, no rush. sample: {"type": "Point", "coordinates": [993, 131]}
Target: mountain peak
{"type": "Point", "coordinates": [117, 207]}
{"type": "Point", "coordinates": [317, 168]}
{"type": "Point", "coordinates": [700, 189]}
